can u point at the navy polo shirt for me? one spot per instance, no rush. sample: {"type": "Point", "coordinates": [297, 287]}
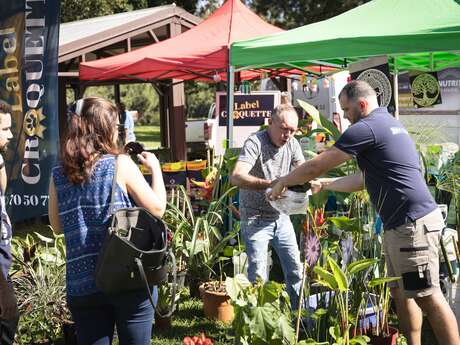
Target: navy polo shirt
{"type": "Point", "coordinates": [390, 163]}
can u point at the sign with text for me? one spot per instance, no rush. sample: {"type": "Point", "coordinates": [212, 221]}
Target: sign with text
{"type": "Point", "coordinates": [28, 82]}
{"type": "Point", "coordinates": [248, 109]}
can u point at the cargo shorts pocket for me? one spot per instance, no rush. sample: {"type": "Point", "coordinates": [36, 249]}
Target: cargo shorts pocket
{"type": "Point", "coordinates": [415, 269]}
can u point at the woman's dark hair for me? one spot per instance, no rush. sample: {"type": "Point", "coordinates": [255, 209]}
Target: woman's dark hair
{"type": "Point", "coordinates": [92, 132]}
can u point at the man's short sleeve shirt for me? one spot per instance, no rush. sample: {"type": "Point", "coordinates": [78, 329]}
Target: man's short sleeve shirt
{"type": "Point", "coordinates": [268, 162]}
{"type": "Point", "coordinates": [390, 163]}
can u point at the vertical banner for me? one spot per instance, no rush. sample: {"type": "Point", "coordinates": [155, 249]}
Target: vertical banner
{"type": "Point", "coordinates": [377, 73]}
{"type": "Point", "coordinates": [29, 31]}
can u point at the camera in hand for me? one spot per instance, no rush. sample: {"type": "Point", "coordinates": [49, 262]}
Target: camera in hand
{"type": "Point", "coordinates": [134, 148]}
{"type": "Point", "coordinates": [300, 188]}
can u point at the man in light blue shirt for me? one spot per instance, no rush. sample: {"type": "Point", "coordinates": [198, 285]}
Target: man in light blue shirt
{"type": "Point", "coordinates": [126, 126]}
{"type": "Point", "coordinates": [129, 128]}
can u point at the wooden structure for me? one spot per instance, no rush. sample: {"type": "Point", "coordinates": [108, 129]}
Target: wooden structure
{"type": "Point", "coordinates": [101, 37]}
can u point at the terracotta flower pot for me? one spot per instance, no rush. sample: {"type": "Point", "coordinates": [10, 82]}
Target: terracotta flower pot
{"type": "Point", "coordinates": [216, 305]}
{"type": "Point", "coordinates": [389, 339]}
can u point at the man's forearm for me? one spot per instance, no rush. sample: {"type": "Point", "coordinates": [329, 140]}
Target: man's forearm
{"type": "Point", "coordinates": [303, 173]}
{"type": "Point", "coordinates": [250, 182]}
{"type": "Point", "coordinates": [348, 184]}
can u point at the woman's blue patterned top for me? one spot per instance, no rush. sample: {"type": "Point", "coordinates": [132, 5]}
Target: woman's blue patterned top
{"type": "Point", "coordinates": [84, 216]}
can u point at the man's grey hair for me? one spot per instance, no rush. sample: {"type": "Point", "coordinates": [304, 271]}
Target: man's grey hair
{"type": "Point", "coordinates": [282, 108]}
{"type": "Point", "coordinates": [357, 89]}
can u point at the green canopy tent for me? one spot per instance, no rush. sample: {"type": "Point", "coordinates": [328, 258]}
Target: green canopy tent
{"type": "Point", "coordinates": [419, 35]}
{"type": "Point", "coordinates": [396, 28]}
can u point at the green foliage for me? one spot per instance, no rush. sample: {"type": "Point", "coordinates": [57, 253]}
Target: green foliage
{"type": "Point", "coordinates": [448, 180]}
{"type": "Point", "coordinates": [188, 5]}
{"type": "Point", "coordinates": [149, 136]}
{"type": "Point", "coordinates": [340, 281]}
{"type": "Point", "coordinates": [286, 14]}
{"type": "Point", "coordinates": [144, 99]}
{"type": "Point", "coordinates": [449, 176]}
{"type": "Point", "coordinates": [140, 97]}
{"type": "Point", "coordinates": [189, 320]}
{"type": "Point", "coordinates": [72, 10]}
{"type": "Point", "coordinates": [39, 282]}
{"type": "Point", "coordinates": [105, 91]}
{"type": "Point", "coordinates": [197, 238]}
{"type": "Point", "coordinates": [139, 4]}
{"type": "Point", "coordinates": [198, 97]}
{"type": "Point", "coordinates": [289, 14]}
{"type": "Point", "coordinates": [165, 298]}
{"type": "Point", "coordinates": [324, 124]}
{"type": "Point", "coordinates": [401, 338]}
{"type": "Point", "coordinates": [346, 224]}
{"type": "Point", "coordinates": [262, 313]}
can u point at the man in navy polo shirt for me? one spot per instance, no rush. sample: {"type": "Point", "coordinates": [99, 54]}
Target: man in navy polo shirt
{"type": "Point", "coordinates": [390, 171]}
{"type": "Point", "coordinates": [8, 304]}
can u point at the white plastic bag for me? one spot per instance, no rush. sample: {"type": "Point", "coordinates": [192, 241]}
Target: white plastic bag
{"type": "Point", "coordinates": [290, 202]}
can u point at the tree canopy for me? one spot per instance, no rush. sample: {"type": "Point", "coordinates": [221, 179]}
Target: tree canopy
{"type": "Point", "coordinates": [289, 14]}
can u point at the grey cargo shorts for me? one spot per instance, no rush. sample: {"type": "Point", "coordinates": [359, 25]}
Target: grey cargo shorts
{"type": "Point", "coordinates": [412, 253]}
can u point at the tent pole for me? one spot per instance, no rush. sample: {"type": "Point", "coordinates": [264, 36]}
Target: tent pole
{"type": "Point", "coordinates": [396, 92]}
{"type": "Point", "coordinates": [395, 87]}
{"type": "Point", "coordinates": [230, 88]}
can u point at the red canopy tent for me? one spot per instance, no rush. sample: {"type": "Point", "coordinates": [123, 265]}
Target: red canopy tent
{"type": "Point", "coordinates": [199, 53]}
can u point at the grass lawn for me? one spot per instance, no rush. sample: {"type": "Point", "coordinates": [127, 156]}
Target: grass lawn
{"type": "Point", "coordinates": [189, 320]}
{"type": "Point", "coordinates": [148, 135]}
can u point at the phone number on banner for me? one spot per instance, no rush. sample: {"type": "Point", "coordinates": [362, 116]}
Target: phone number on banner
{"type": "Point", "coordinates": [26, 200]}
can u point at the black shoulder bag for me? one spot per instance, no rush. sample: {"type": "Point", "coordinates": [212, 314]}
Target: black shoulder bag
{"type": "Point", "coordinates": [135, 252]}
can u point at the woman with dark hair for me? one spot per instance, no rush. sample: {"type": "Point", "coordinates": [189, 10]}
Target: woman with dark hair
{"type": "Point", "coordinates": [79, 206]}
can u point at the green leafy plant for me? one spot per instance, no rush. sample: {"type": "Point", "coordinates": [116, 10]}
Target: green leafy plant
{"type": "Point", "coordinates": [198, 238]}
{"type": "Point", "coordinates": [448, 180]}
{"type": "Point", "coordinates": [165, 298]}
{"type": "Point", "coordinates": [262, 312]}
{"type": "Point", "coordinates": [325, 125]}
{"type": "Point", "coordinates": [382, 291]}
{"type": "Point", "coordinates": [339, 281]}
{"type": "Point", "coordinates": [39, 282]}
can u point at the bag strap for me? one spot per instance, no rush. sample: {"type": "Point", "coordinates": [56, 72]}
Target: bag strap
{"type": "Point", "coordinates": [149, 293]}
{"type": "Point", "coordinates": [114, 186]}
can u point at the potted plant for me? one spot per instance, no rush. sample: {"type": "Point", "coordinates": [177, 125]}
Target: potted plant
{"type": "Point", "coordinates": [197, 238]}
{"type": "Point", "coordinates": [383, 334]}
{"type": "Point", "coordinates": [177, 216]}
{"type": "Point", "coordinates": [262, 312]}
{"type": "Point", "coordinates": [39, 281]}
{"type": "Point", "coordinates": [338, 281]}
{"type": "Point", "coordinates": [163, 306]}
{"type": "Point", "coordinates": [448, 180]}
{"type": "Point", "coordinates": [216, 301]}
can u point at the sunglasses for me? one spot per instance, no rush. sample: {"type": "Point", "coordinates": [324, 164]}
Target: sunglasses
{"type": "Point", "coordinates": [76, 107]}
